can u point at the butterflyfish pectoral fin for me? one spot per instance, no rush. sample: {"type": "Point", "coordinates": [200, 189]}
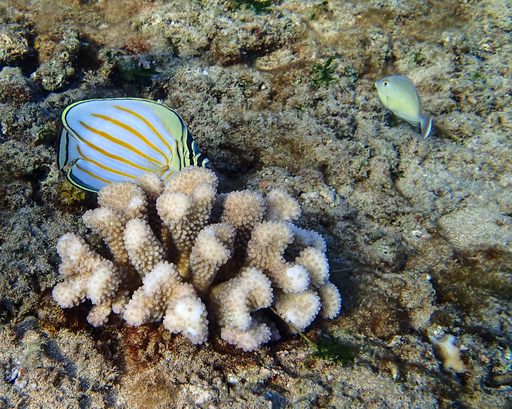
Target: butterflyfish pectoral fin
{"type": "Point", "coordinates": [120, 138]}
{"type": "Point", "coordinates": [426, 125]}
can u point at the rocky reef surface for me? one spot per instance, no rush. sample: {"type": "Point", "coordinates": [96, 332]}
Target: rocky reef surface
{"type": "Point", "coordinates": [277, 95]}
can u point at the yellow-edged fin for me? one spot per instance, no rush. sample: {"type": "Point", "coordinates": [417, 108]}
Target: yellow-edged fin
{"type": "Point", "coordinates": [80, 184]}
{"type": "Point", "coordinates": [120, 138]}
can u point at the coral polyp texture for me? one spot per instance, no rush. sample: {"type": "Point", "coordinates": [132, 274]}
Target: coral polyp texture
{"type": "Point", "coordinates": [183, 254]}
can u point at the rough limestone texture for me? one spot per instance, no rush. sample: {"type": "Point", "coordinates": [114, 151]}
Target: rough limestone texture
{"type": "Point", "coordinates": [418, 230]}
{"type": "Point", "coordinates": [170, 264]}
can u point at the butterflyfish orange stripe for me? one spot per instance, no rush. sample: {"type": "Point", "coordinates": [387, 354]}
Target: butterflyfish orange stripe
{"type": "Point", "coordinates": [92, 174]}
{"type": "Point", "coordinates": [168, 176]}
{"type": "Point", "coordinates": [114, 139]}
{"type": "Point", "coordinates": [129, 129]}
{"type": "Point", "coordinates": [98, 164]}
{"type": "Point", "coordinates": [150, 126]}
{"type": "Point", "coordinates": [118, 158]}
{"type": "Point", "coordinates": [119, 142]}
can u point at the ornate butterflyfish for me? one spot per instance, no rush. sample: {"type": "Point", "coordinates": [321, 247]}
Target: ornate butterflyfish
{"type": "Point", "coordinates": [398, 94]}
{"type": "Point", "coordinates": [116, 139]}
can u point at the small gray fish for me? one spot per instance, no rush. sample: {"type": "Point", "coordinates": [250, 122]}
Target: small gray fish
{"type": "Point", "coordinates": [398, 94]}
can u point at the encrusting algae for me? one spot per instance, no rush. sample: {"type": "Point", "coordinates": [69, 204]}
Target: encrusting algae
{"type": "Point", "coordinates": [184, 254]}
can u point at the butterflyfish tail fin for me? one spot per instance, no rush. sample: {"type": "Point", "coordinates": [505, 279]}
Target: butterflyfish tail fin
{"type": "Point", "coordinates": [426, 125]}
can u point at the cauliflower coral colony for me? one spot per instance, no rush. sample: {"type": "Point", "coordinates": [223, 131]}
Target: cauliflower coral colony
{"type": "Point", "coordinates": [187, 255]}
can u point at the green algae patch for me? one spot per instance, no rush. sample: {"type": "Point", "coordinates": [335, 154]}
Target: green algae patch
{"type": "Point", "coordinates": [471, 278]}
{"type": "Point", "coordinates": [70, 195]}
{"type": "Point", "coordinates": [135, 71]}
{"type": "Point", "coordinates": [332, 350]}
{"type": "Point", "coordinates": [258, 6]}
{"type": "Point", "coordinates": [322, 73]}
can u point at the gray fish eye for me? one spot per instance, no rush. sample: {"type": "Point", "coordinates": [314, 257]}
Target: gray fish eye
{"type": "Point", "coordinates": [385, 83]}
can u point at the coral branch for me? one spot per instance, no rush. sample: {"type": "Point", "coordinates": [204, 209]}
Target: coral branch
{"type": "Point", "coordinates": [171, 256]}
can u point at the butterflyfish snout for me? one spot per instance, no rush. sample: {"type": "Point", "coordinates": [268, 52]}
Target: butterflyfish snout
{"type": "Point", "coordinates": [398, 94]}
{"type": "Point", "coordinates": [117, 139]}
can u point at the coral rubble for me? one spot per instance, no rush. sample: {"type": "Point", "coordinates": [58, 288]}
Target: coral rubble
{"type": "Point", "coordinates": [449, 352]}
{"type": "Point", "coordinates": [181, 247]}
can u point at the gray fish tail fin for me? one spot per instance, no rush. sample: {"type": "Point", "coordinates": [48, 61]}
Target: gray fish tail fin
{"type": "Point", "coordinates": [426, 125]}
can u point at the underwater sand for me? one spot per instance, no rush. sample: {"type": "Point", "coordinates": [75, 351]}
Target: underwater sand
{"type": "Point", "coordinates": [419, 232]}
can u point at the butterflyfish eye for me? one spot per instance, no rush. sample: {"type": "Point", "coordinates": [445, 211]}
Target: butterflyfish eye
{"type": "Point", "coordinates": [385, 83]}
{"type": "Point", "coordinates": [120, 138]}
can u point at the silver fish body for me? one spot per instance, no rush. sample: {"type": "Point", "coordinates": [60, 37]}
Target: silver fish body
{"type": "Point", "coordinates": [398, 94]}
